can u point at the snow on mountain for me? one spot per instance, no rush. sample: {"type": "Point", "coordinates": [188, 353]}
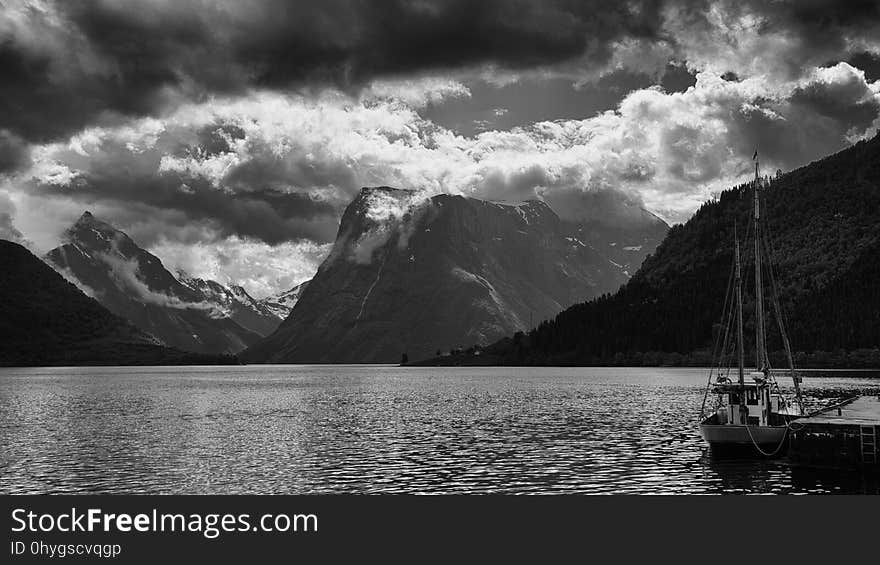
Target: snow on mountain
{"type": "Point", "coordinates": [234, 302]}
{"type": "Point", "coordinates": [282, 304]}
{"type": "Point", "coordinates": [135, 285]}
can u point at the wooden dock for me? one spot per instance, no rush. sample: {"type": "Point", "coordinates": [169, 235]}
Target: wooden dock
{"type": "Point", "coordinates": [841, 436]}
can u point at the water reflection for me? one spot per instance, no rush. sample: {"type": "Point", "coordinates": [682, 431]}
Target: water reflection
{"type": "Point", "coordinates": [377, 429]}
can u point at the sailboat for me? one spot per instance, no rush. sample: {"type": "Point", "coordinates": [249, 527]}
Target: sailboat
{"type": "Point", "coordinates": [750, 416]}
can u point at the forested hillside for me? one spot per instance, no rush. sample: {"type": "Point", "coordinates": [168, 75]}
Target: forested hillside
{"type": "Point", "coordinates": [824, 223]}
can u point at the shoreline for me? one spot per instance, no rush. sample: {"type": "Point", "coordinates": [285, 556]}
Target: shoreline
{"type": "Point", "coordinates": [806, 372]}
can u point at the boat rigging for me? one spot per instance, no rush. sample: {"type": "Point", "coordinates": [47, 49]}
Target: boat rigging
{"type": "Point", "coordinates": [751, 416]}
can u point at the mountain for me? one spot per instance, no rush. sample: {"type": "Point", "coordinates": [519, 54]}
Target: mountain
{"type": "Point", "coordinates": [409, 274]}
{"type": "Point", "coordinates": [281, 305]}
{"type": "Point", "coordinates": [625, 244]}
{"type": "Point", "coordinates": [134, 284]}
{"type": "Point", "coordinates": [824, 221]}
{"type": "Point", "coordinates": [45, 320]}
{"type": "Point", "coordinates": [234, 302]}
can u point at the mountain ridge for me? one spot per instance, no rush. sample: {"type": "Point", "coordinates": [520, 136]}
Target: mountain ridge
{"type": "Point", "coordinates": [234, 302]}
{"type": "Point", "coordinates": [411, 274]}
{"type": "Point", "coordinates": [134, 284]}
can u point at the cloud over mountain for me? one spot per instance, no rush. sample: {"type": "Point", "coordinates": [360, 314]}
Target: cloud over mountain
{"type": "Point", "coordinates": [8, 230]}
{"type": "Point", "coordinates": [220, 125]}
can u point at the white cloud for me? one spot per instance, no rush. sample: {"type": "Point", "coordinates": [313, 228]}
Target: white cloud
{"type": "Point", "coordinates": [8, 231]}
{"type": "Point", "coordinates": [126, 275]}
{"type": "Point", "coordinates": [387, 214]}
{"type": "Point", "coordinates": [263, 270]}
{"type": "Point", "coordinates": [670, 151]}
{"type": "Point", "coordinates": [415, 93]}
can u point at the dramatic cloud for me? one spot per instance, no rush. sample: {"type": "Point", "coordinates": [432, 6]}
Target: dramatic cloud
{"type": "Point", "coordinates": [164, 169]}
{"type": "Point", "coordinates": [8, 231]}
{"type": "Point", "coordinates": [387, 214]}
{"type": "Point", "coordinates": [260, 268]}
{"type": "Point", "coordinates": [14, 153]}
{"type": "Point", "coordinates": [126, 275]}
{"type": "Point", "coordinates": [228, 137]}
{"type": "Point", "coordinates": [779, 40]}
{"type": "Point", "coordinates": [68, 64]}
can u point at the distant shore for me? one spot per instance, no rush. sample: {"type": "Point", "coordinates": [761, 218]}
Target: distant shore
{"type": "Point", "coordinates": [511, 352]}
{"type": "Point", "coordinates": [869, 372]}
{"type": "Point", "coordinates": [841, 369]}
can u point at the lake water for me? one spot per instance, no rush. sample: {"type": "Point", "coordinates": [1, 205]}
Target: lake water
{"type": "Point", "coordinates": [372, 429]}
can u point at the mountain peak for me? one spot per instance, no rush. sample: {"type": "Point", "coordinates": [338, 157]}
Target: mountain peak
{"type": "Point", "coordinates": [409, 273]}
{"type": "Point", "coordinates": [89, 221]}
{"type": "Point", "coordinates": [88, 218]}
{"type": "Point", "coordinates": [387, 189]}
{"type": "Point", "coordinates": [191, 314]}
{"type": "Point", "coordinates": [372, 198]}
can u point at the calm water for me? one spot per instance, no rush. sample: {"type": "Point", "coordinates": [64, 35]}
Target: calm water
{"type": "Point", "coordinates": [369, 429]}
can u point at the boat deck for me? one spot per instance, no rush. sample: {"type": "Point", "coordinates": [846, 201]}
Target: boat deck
{"type": "Point", "coordinates": [844, 436]}
{"type": "Point", "coordinates": [861, 411]}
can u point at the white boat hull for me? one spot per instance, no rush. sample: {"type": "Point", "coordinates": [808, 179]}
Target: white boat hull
{"type": "Point", "coordinates": [758, 440]}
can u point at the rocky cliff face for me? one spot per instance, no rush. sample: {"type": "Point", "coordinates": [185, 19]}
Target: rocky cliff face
{"type": "Point", "coordinates": [134, 284]}
{"type": "Point", "coordinates": [414, 275]}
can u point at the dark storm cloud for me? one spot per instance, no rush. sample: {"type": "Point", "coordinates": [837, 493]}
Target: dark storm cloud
{"type": "Point", "coordinates": [86, 61]}
{"type": "Point", "coordinates": [677, 78]}
{"type": "Point", "coordinates": [216, 139]}
{"type": "Point", "coordinates": [825, 22]}
{"type": "Point", "coordinates": [868, 62]}
{"type": "Point", "coordinates": [822, 28]}
{"type": "Point", "coordinates": [354, 41]}
{"type": "Point", "coordinates": [846, 103]}
{"type": "Point", "coordinates": [267, 169]}
{"type": "Point", "coordinates": [133, 178]}
{"type": "Point", "coordinates": [14, 152]}
{"type": "Point", "coordinates": [817, 120]}
{"type": "Point", "coordinates": [134, 58]}
{"type": "Point", "coordinates": [267, 215]}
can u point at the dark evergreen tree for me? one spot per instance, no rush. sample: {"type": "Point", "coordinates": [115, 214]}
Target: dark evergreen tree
{"type": "Point", "coordinates": [823, 237]}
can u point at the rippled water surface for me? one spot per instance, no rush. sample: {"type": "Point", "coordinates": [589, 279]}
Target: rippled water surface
{"type": "Point", "coordinates": [370, 429]}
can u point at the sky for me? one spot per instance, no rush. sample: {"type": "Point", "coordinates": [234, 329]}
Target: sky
{"type": "Point", "coordinates": [227, 137]}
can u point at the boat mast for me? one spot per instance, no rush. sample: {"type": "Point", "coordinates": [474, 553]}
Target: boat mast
{"type": "Point", "coordinates": [739, 320]}
{"type": "Point", "coordinates": [759, 294]}
{"type": "Point", "coordinates": [796, 379]}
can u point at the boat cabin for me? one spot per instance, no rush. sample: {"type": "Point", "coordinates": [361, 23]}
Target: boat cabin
{"type": "Point", "coordinates": [752, 403]}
